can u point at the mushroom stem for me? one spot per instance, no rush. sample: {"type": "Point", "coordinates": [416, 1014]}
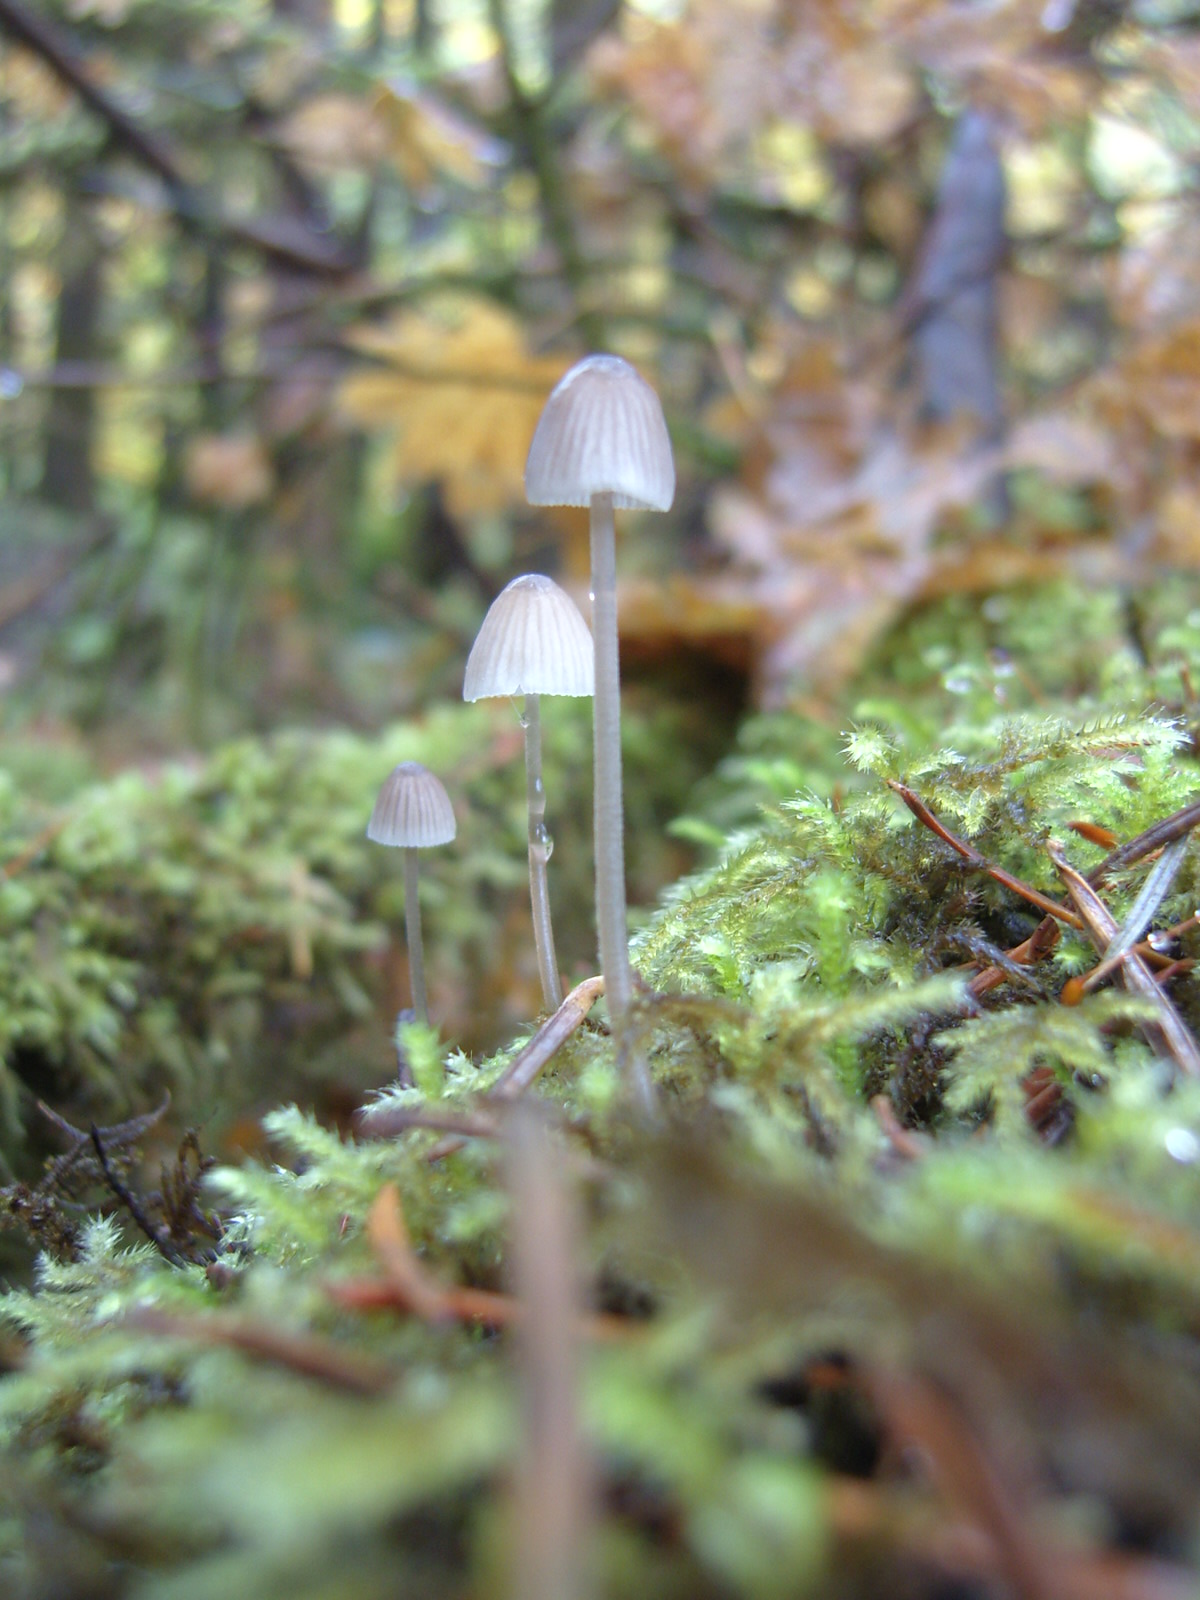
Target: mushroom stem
{"type": "Point", "coordinates": [539, 853]}
{"type": "Point", "coordinates": [609, 808]}
{"type": "Point", "coordinates": [412, 929]}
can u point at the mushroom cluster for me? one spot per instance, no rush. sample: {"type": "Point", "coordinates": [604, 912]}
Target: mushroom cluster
{"type": "Point", "coordinates": [601, 442]}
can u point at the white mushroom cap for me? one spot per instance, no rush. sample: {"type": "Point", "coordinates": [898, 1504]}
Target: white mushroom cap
{"type": "Point", "coordinates": [602, 432]}
{"type": "Point", "coordinates": [533, 641]}
{"type": "Point", "coordinates": [413, 808]}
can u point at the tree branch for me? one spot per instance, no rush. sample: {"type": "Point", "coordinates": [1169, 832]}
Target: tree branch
{"type": "Point", "coordinates": [528, 114]}
{"type": "Point", "coordinates": [273, 237]}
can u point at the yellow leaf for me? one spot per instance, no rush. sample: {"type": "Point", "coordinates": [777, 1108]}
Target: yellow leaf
{"type": "Point", "coordinates": [334, 133]}
{"type": "Point", "coordinates": [427, 140]}
{"type": "Point", "coordinates": [463, 393]}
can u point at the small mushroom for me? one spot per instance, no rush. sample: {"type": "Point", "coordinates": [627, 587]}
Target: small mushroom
{"type": "Point", "coordinates": [602, 442]}
{"type": "Point", "coordinates": [533, 642]}
{"type": "Point", "coordinates": [413, 811]}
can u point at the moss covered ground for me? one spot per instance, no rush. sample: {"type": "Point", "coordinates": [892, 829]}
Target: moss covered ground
{"type": "Point", "coordinates": [901, 1295]}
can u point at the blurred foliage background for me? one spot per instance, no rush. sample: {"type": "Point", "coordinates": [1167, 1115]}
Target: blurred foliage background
{"type": "Point", "coordinates": [283, 287]}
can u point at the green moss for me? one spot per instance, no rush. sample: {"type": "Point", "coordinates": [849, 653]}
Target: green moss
{"type": "Point", "coordinates": [223, 930]}
{"type": "Point", "coordinates": [776, 1231]}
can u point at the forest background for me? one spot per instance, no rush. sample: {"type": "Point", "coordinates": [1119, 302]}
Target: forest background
{"type": "Point", "coordinates": [283, 288]}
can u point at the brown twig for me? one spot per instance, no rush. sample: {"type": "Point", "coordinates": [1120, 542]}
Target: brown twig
{"type": "Point", "coordinates": [405, 1285]}
{"type": "Point", "coordinates": [129, 1200]}
{"type": "Point", "coordinates": [522, 1071]}
{"type": "Point", "coordinates": [903, 1140]}
{"type": "Point", "coordinates": [1169, 1033]}
{"type": "Point", "coordinates": [472, 1122]}
{"type": "Point", "coordinates": [282, 240]}
{"type": "Point", "coordinates": [529, 1063]}
{"type": "Point", "coordinates": [1027, 954]}
{"type": "Point", "coordinates": [303, 1353]}
{"type": "Point", "coordinates": [1142, 913]}
{"type": "Point", "coordinates": [387, 1234]}
{"type": "Point", "coordinates": [978, 861]}
{"type": "Point", "coordinates": [863, 1514]}
{"type": "Point", "coordinates": [1173, 969]}
{"type": "Point", "coordinates": [32, 850]}
{"type": "Point", "coordinates": [75, 1167]}
{"type": "Point", "coordinates": [919, 1413]}
{"type": "Point", "coordinates": [1154, 838]}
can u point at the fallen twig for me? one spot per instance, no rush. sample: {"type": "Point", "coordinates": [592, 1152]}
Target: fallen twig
{"type": "Point", "coordinates": [157, 1236]}
{"type": "Point", "coordinates": [864, 1514]}
{"type": "Point", "coordinates": [1143, 911]}
{"type": "Point", "coordinates": [1154, 838]}
{"type": "Point", "coordinates": [521, 1072]}
{"type": "Point", "coordinates": [1168, 1032]}
{"type": "Point", "coordinates": [478, 1121]}
{"type": "Point", "coordinates": [405, 1285]}
{"type": "Point", "coordinates": [975, 859]}
{"type": "Point", "coordinates": [74, 1166]}
{"type": "Point", "coordinates": [1027, 954]}
{"type": "Point", "coordinates": [903, 1140]}
{"type": "Point", "coordinates": [464, 1122]}
{"type": "Point", "coordinates": [303, 1353]}
{"type": "Point", "coordinates": [527, 1065]}
{"type": "Point", "coordinates": [919, 1413]}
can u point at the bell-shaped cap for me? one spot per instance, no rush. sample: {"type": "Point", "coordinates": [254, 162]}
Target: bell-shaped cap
{"type": "Point", "coordinates": [413, 808]}
{"type": "Point", "coordinates": [602, 432]}
{"type": "Point", "coordinates": [533, 641]}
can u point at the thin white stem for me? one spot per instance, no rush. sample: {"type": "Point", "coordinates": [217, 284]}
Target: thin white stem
{"type": "Point", "coordinates": [539, 853]}
{"type": "Point", "coordinates": [412, 929]}
{"type": "Point", "coordinates": [607, 798]}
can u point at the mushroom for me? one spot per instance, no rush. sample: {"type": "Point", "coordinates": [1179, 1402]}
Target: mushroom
{"type": "Point", "coordinates": [533, 642]}
{"type": "Point", "coordinates": [601, 442]}
{"type": "Point", "coordinates": [414, 812]}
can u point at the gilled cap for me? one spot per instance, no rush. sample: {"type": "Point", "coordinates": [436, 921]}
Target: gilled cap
{"type": "Point", "coordinates": [602, 432]}
{"type": "Point", "coordinates": [533, 641]}
{"type": "Point", "coordinates": [413, 808]}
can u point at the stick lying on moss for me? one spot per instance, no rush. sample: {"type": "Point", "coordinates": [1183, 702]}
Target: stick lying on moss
{"type": "Point", "coordinates": [522, 1071]}
{"type": "Point", "coordinates": [1168, 1033]}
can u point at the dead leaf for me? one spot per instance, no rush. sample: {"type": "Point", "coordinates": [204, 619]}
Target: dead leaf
{"type": "Point", "coordinates": [463, 394]}
{"type": "Point", "coordinates": [333, 133]}
{"type": "Point", "coordinates": [231, 470]}
{"type": "Point", "coordinates": [426, 140]}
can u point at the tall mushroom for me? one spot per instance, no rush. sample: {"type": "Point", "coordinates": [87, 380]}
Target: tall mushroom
{"type": "Point", "coordinates": [413, 811]}
{"type": "Point", "coordinates": [533, 642]}
{"type": "Point", "coordinates": [601, 442]}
